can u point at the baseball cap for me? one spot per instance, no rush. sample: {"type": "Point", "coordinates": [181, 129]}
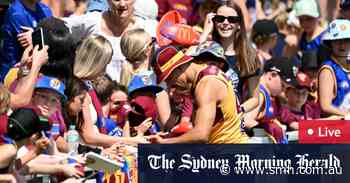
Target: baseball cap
{"type": "Point", "coordinates": [167, 59]}
{"type": "Point", "coordinates": [303, 81]}
{"type": "Point", "coordinates": [24, 122]}
{"type": "Point", "coordinates": [265, 27]}
{"type": "Point", "coordinates": [209, 49]}
{"type": "Point", "coordinates": [173, 29]}
{"type": "Point", "coordinates": [143, 107]}
{"type": "Point", "coordinates": [51, 83]}
{"type": "Point", "coordinates": [144, 81]}
{"type": "Point", "coordinates": [306, 7]}
{"type": "Point", "coordinates": [284, 67]}
{"type": "Point", "coordinates": [345, 4]}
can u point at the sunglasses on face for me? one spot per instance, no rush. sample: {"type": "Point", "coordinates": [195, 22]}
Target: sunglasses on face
{"type": "Point", "coordinates": [230, 19]}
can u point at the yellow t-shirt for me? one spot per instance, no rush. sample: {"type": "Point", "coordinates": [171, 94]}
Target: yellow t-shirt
{"type": "Point", "coordinates": [227, 124]}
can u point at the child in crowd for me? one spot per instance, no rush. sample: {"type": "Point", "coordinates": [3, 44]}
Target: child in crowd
{"type": "Point", "coordinates": [104, 89]}
{"type": "Point", "coordinates": [289, 33]}
{"type": "Point", "coordinates": [310, 66]}
{"type": "Point", "coordinates": [298, 107]}
{"type": "Point", "coordinates": [117, 100]}
{"type": "Point", "coordinates": [48, 97]}
{"type": "Point", "coordinates": [264, 35]}
{"type": "Point", "coordinates": [23, 127]}
{"type": "Point", "coordinates": [142, 91]}
{"type": "Point", "coordinates": [333, 78]}
{"type": "Point", "coordinates": [309, 16]}
{"type": "Point", "coordinates": [278, 73]}
{"type": "Point", "coordinates": [103, 86]}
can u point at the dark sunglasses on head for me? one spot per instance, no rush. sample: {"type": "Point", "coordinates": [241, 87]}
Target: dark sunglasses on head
{"type": "Point", "coordinates": [231, 19]}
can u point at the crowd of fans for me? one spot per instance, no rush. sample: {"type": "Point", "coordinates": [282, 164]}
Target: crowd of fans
{"type": "Point", "coordinates": [128, 72]}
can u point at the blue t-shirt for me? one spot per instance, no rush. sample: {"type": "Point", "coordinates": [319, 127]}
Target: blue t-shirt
{"type": "Point", "coordinates": [342, 99]}
{"type": "Point", "coordinates": [17, 16]}
{"type": "Point", "coordinates": [314, 44]}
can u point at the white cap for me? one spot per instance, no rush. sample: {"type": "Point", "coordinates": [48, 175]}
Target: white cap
{"type": "Point", "coordinates": [147, 9]}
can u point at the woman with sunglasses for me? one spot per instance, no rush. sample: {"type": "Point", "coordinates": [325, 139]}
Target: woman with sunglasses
{"type": "Point", "coordinates": [227, 27]}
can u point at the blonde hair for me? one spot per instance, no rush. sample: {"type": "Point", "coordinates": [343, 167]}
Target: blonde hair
{"type": "Point", "coordinates": [281, 20]}
{"type": "Point", "coordinates": [126, 74]}
{"type": "Point", "coordinates": [92, 57]}
{"type": "Point", "coordinates": [133, 45]}
{"type": "Point", "coordinates": [4, 99]}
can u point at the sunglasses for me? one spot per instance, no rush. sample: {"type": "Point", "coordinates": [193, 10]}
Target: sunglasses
{"type": "Point", "coordinates": [230, 19]}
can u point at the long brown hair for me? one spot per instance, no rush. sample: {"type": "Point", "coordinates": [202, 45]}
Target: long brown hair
{"type": "Point", "coordinates": [246, 55]}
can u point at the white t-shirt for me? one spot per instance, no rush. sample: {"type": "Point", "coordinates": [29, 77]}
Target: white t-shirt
{"type": "Point", "coordinates": [90, 24]}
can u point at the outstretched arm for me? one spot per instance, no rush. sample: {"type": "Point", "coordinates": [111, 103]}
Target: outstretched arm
{"type": "Point", "coordinates": [208, 93]}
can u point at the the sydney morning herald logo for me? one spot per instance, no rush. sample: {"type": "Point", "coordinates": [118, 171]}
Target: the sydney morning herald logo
{"type": "Point", "coordinates": [244, 164]}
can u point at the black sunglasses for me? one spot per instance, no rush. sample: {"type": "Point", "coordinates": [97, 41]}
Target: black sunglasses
{"type": "Point", "coordinates": [231, 19]}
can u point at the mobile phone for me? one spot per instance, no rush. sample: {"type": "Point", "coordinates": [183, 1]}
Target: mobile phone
{"type": "Point", "coordinates": [38, 38]}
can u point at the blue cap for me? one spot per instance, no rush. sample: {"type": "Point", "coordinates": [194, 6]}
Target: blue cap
{"type": "Point", "coordinates": [144, 81]}
{"type": "Point", "coordinates": [337, 29]}
{"type": "Point", "coordinates": [97, 5]}
{"type": "Point", "coordinates": [46, 82]}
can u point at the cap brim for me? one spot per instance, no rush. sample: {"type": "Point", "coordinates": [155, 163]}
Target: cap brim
{"type": "Point", "coordinates": [291, 82]}
{"type": "Point", "coordinates": [153, 89]}
{"type": "Point", "coordinates": [48, 88]}
{"type": "Point", "coordinates": [167, 72]}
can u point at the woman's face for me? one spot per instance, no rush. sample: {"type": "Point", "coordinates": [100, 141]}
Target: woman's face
{"type": "Point", "coordinates": [226, 29]}
{"type": "Point", "coordinates": [341, 48]}
{"type": "Point", "coordinates": [122, 8]}
{"type": "Point", "coordinates": [75, 105]}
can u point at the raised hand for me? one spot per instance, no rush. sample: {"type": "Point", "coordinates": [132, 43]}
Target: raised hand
{"type": "Point", "coordinates": [25, 38]}
{"type": "Point", "coordinates": [39, 57]}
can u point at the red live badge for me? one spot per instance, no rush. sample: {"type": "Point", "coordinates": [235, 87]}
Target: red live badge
{"type": "Point", "coordinates": [324, 132]}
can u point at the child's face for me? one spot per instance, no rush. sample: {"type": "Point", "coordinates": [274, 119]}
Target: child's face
{"type": "Point", "coordinates": [118, 97]}
{"type": "Point", "coordinates": [275, 83]}
{"type": "Point", "coordinates": [46, 100]}
{"type": "Point", "coordinates": [341, 48]}
{"type": "Point", "coordinates": [308, 23]}
{"type": "Point", "coordinates": [297, 97]}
